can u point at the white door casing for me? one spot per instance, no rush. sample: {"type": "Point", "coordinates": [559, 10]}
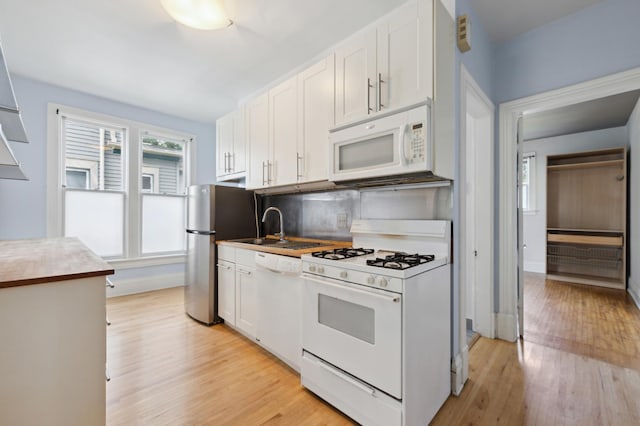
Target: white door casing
{"type": "Point", "coordinates": [508, 112]}
{"type": "Point", "coordinates": [477, 217]}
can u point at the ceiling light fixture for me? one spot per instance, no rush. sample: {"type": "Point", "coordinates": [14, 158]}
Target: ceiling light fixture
{"type": "Point", "coordinates": [199, 14]}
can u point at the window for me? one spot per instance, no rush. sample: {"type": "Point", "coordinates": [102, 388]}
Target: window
{"type": "Point", "coordinates": [528, 182]}
{"type": "Point", "coordinates": [121, 185]}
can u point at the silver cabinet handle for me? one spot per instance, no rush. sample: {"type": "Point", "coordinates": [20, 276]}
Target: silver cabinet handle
{"type": "Point", "coordinates": [369, 86]}
{"type": "Point", "coordinates": [232, 161]}
{"type": "Point", "coordinates": [242, 271]}
{"type": "Point", "coordinates": [228, 268]}
{"type": "Point", "coordinates": [380, 81]}
{"type": "Point", "coordinates": [264, 182]}
{"type": "Point", "coordinates": [226, 167]}
{"type": "Point", "coordinates": [269, 167]}
{"type": "Point", "coordinates": [298, 165]}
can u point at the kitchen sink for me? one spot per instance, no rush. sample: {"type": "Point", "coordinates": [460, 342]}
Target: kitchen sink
{"type": "Point", "coordinates": [286, 244]}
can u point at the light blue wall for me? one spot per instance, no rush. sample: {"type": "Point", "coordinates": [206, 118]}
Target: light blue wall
{"type": "Point", "coordinates": [479, 59]}
{"type": "Point", "coordinates": [599, 40]}
{"type": "Point", "coordinates": [23, 209]}
{"type": "Point", "coordinates": [23, 205]}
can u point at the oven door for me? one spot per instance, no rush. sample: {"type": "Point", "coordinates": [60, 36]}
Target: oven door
{"type": "Point", "coordinates": [357, 329]}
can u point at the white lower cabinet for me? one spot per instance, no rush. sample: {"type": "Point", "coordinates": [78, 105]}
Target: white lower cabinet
{"type": "Point", "coordinates": [262, 304]}
{"type": "Point", "coordinates": [246, 299]}
{"type": "Point", "coordinates": [227, 291]}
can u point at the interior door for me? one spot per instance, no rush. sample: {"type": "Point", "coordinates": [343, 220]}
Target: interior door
{"type": "Point", "coordinates": [519, 245]}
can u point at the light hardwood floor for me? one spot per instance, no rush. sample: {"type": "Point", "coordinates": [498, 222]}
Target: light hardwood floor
{"type": "Point", "coordinates": [167, 369]}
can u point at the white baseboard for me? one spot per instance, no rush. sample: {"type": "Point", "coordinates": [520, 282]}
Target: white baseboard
{"type": "Point", "coordinates": [532, 266]}
{"type": "Point", "coordinates": [141, 285]}
{"type": "Point", "coordinates": [459, 371]}
{"type": "Point", "coordinates": [507, 328]}
{"type": "Point", "coordinates": [634, 292]}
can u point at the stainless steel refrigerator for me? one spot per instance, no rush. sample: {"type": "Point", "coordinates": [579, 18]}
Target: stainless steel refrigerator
{"type": "Point", "coordinates": [214, 212]}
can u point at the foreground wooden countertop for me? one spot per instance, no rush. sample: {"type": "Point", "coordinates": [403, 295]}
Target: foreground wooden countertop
{"type": "Point", "coordinates": [37, 261]}
{"type": "Point", "coordinates": [330, 245]}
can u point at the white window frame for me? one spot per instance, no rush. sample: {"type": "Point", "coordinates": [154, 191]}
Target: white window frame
{"type": "Point", "coordinates": [90, 166]}
{"type": "Point", "coordinates": [132, 163]}
{"type": "Point", "coordinates": [530, 157]}
{"type": "Point", "coordinates": [154, 172]}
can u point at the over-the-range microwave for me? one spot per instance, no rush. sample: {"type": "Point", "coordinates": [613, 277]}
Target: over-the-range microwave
{"type": "Point", "coordinates": [395, 144]}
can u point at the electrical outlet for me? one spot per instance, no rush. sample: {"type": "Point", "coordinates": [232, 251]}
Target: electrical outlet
{"type": "Point", "coordinates": [341, 221]}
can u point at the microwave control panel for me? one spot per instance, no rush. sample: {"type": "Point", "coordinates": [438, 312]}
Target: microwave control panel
{"type": "Point", "coordinates": [417, 143]}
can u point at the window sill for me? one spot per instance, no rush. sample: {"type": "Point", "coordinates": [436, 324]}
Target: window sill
{"type": "Point", "coordinates": [530, 212]}
{"type": "Point", "coordinates": [143, 262]}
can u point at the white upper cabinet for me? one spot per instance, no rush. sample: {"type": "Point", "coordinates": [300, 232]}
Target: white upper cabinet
{"type": "Point", "coordinates": [315, 118]}
{"type": "Point", "coordinates": [230, 146]}
{"type": "Point", "coordinates": [257, 132]}
{"type": "Point", "coordinates": [355, 76]}
{"type": "Point", "coordinates": [283, 133]}
{"type": "Point", "coordinates": [386, 67]}
{"type": "Point", "coordinates": [405, 52]}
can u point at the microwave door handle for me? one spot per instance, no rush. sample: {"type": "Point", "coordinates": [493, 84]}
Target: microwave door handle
{"type": "Point", "coordinates": [402, 154]}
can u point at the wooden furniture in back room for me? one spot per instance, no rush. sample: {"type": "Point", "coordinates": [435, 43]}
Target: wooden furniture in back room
{"type": "Point", "coordinates": [587, 217]}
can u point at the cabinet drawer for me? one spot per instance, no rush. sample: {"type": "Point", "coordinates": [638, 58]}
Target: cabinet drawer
{"type": "Point", "coordinates": [246, 257]}
{"type": "Point", "coordinates": [363, 403]}
{"type": "Point", "coordinates": [227, 253]}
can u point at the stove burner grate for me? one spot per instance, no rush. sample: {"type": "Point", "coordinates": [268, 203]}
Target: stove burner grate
{"type": "Point", "coordinates": [400, 260]}
{"type": "Point", "coordinates": [342, 253]}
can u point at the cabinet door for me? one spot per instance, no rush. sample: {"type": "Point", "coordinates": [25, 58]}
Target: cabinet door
{"type": "Point", "coordinates": [405, 56]}
{"type": "Point", "coordinates": [238, 158]}
{"type": "Point", "coordinates": [246, 300]}
{"type": "Point", "coordinates": [227, 291]}
{"type": "Point", "coordinates": [355, 72]}
{"type": "Point", "coordinates": [224, 144]}
{"type": "Point", "coordinates": [257, 132]}
{"type": "Point", "coordinates": [315, 117]}
{"type": "Point", "coordinates": [283, 121]}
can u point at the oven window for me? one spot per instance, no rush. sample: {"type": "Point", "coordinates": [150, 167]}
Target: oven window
{"type": "Point", "coordinates": [355, 320]}
{"type": "Point", "coordinates": [368, 153]}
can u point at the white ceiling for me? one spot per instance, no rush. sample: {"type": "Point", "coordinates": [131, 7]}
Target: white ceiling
{"type": "Point", "coordinates": [603, 113]}
{"type": "Point", "coordinates": [505, 19]}
{"type": "Point", "coordinates": [132, 51]}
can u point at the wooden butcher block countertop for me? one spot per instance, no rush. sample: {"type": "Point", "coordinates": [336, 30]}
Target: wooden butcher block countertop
{"type": "Point", "coordinates": [38, 261]}
{"type": "Point", "coordinates": [326, 245]}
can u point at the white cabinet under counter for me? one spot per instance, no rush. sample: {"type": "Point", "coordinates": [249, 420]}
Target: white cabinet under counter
{"type": "Point", "coordinates": [53, 333]}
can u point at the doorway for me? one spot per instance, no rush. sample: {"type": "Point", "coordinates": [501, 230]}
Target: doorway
{"type": "Point", "coordinates": [476, 212]}
{"type": "Point", "coordinates": [509, 302]}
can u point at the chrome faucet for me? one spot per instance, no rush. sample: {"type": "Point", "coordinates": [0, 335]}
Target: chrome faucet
{"type": "Point", "coordinates": [275, 209]}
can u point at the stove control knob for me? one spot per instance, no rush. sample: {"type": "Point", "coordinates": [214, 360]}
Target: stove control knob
{"type": "Point", "coordinates": [371, 279]}
{"type": "Point", "coordinates": [343, 274]}
{"type": "Point", "coordinates": [321, 269]}
{"type": "Point", "coordinates": [312, 268]}
{"type": "Point", "coordinates": [382, 282]}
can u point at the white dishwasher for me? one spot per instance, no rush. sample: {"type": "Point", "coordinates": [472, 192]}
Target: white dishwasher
{"type": "Point", "coordinates": [280, 306]}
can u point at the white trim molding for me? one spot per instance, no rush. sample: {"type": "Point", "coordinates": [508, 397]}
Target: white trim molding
{"type": "Point", "coordinates": [142, 285]}
{"type": "Point", "coordinates": [460, 370]}
{"type": "Point", "coordinates": [509, 112]}
{"type": "Point", "coordinates": [633, 291]}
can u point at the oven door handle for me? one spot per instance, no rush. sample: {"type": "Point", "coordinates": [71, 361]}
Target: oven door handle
{"type": "Point", "coordinates": [346, 286]}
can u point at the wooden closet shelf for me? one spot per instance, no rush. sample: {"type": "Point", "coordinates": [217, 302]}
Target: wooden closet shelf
{"type": "Point", "coordinates": [589, 165]}
{"type": "Point", "coordinates": [585, 239]}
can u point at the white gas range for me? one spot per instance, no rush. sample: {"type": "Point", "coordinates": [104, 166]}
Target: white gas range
{"type": "Point", "coordinates": [377, 322]}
